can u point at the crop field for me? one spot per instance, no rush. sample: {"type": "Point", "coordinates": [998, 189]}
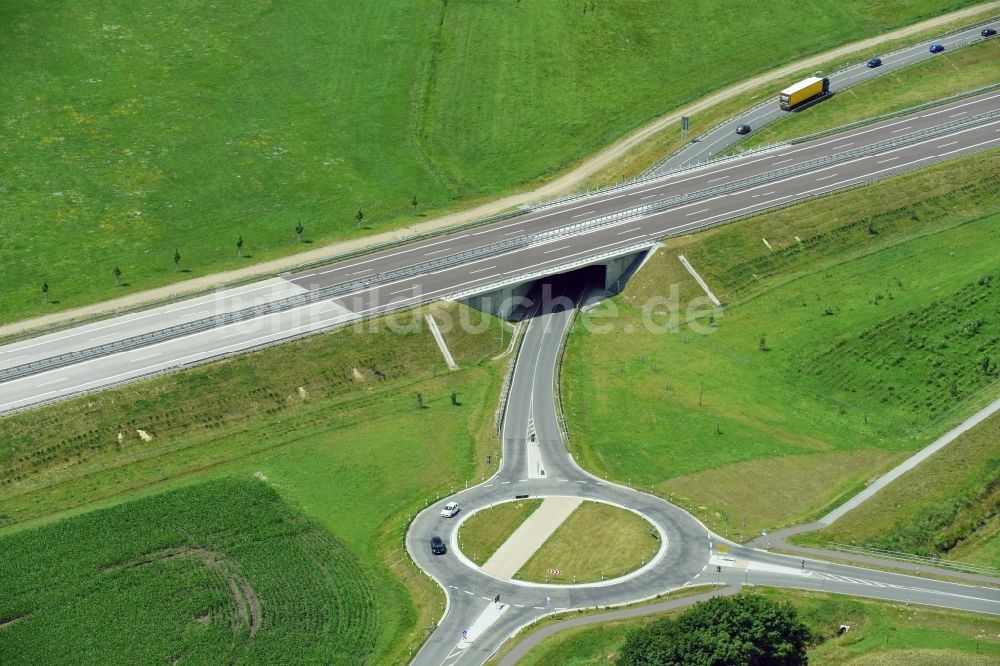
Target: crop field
{"type": "Point", "coordinates": [332, 421]}
{"type": "Point", "coordinates": [860, 335]}
{"type": "Point", "coordinates": [946, 507]}
{"type": "Point", "coordinates": [481, 535]}
{"type": "Point", "coordinates": [148, 127]}
{"type": "Point", "coordinates": [880, 634]}
{"type": "Point", "coordinates": [221, 572]}
{"type": "Point", "coordinates": [597, 541]}
{"type": "Point", "coordinates": [965, 69]}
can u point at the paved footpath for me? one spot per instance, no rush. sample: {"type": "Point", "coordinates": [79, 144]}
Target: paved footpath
{"type": "Point", "coordinates": [529, 536]}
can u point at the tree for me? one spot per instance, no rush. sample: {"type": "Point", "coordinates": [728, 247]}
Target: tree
{"type": "Point", "coordinates": [177, 261]}
{"type": "Point", "coordinates": [239, 246]}
{"type": "Point", "coordinates": [298, 231]}
{"type": "Point", "coordinates": [742, 630]}
{"type": "Point", "coordinates": [45, 292]}
{"type": "Point", "coordinates": [454, 398]}
{"type": "Point", "coordinates": [360, 216]}
{"type": "Point", "coordinates": [420, 401]}
{"type": "Point", "coordinates": [118, 276]}
{"type": "Point", "coordinates": [413, 203]}
{"type": "Point", "coordinates": [762, 343]}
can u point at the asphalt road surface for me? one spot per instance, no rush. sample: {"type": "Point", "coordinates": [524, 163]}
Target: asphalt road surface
{"type": "Point", "coordinates": [552, 255]}
{"type": "Point", "coordinates": [473, 626]}
{"type": "Point", "coordinates": [717, 140]}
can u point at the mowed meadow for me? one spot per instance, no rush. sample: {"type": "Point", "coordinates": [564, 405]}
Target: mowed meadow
{"type": "Point", "coordinates": [134, 130]}
{"type": "Point", "coordinates": [858, 328]}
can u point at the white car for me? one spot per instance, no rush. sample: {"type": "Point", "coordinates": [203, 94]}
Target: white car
{"type": "Point", "coordinates": [449, 510]}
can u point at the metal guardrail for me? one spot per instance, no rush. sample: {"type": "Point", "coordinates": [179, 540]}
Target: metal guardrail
{"type": "Point", "coordinates": [492, 249]}
{"type": "Point", "coordinates": [965, 567]}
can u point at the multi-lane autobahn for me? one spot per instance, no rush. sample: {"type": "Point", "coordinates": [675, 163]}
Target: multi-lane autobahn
{"type": "Point", "coordinates": [690, 199]}
{"type": "Point", "coordinates": [536, 464]}
{"type": "Point", "coordinates": [721, 137]}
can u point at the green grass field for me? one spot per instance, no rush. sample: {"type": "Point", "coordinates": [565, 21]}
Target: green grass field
{"type": "Point", "coordinates": [946, 507]}
{"type": "Point", "coordinates": [330, 420]}
{"type": "Point", "coordinates": [481, 535]}
{"type": "Point", "coordinates": [221, 572]}
{"type": "Point", "coordinates": [149, 127]}
{"type": "Point", "coordinates": [597, 541]}
{"type": "Point", "coordinates": [874, 314]}
{"type": "Point", "coordinates": [955, 72]}
{"type": "Point", "coordinates": [880, 634]}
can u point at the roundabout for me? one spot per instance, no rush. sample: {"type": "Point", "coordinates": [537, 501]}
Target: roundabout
{"type": "Point", "coordinates": [482, 610]}
{"type": "Point", "coordinates": [578, 542]}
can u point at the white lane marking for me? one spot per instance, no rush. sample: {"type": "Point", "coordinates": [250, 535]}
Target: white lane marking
{"type": "Point", "coordinates": [649, 197]}
{"type": "Point", "coordinates": [588, 212]}
{"type": "Point", "coordinates": [231, 335]}
{"type": "Point", "coordinates": [716, 179]}
{"type": "Point", "coordinates": [410, 288]}
{"type": "Point", "coordinates": [945, 145]}
{"type": "Point", "coordinates": [54, 381]}
{"type": "Point", "coordinates": [781, 162]}
{"type": "Point", "coordinates": [762, 194]}
{"type": "Point", "coordinates": [480, 270]}
{"type": "Point", "coordinates": [447, 249]}
{"type": "Point", "coordinates": [703, 210]}
{"type": "Point", "coordinates": [564, 247]}
{"type": "Point", "coordinates": [826, 177]}
{"type": "Point", "coordinates": [843, 145]}
{"type": "Point", "coordinates": [958, 150]}
{"type": "Point", "coordinates": [627, 231]}
{"type": "Point", "coordinates": [511, 233]}
{"type": "Point", "coordinates": [960, 113]}
{"type": "Point", "coordinates": [887, 160]}
{"type": "Point", "coordinates": [901, 129]}
{"type": "Point", "coordinates": [143, 358]}
{"type": "Point", "coordinates": [422, 246]}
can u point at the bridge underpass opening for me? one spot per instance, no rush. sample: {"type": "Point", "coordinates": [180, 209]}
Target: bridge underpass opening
{"type": "Point", "coordinates": [514, 302]}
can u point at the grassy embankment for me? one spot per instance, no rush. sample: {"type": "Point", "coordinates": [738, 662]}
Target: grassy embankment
{"type": "Point", "coordinates": [880, 634]}
{"type": "Point", "coordinates": [597, 541]}
{"type": "Point", "coordinates": [220, 572]}
{"type": "Point", "coordinates": [128, 138]}
{"type": "Point", "coordinates": [945, 507]}
{"type": "Point", "coordinates": [481, 535]}
{"type": "Point", "coordinates": [965, 69]}
{"type": "Point", "coordinates": [664, 142]}
{"type": "Point", "coordinates": [855, 340]}
{"type": "Point", "coordinates": [331, 421]}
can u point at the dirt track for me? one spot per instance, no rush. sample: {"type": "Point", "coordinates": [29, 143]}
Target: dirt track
{"type": "Point", "coordinates": [555, 187]}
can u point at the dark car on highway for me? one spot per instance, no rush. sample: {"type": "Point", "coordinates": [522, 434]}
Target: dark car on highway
{"type": "Point", "coordinates": [936, 48]}
{"type": "Point", "coordinates": [437, 546]}
{"type": "Point", "coordinates": [875, 62]}
{"type": "Point", "coordinates": [988, 32]}
{"type": "Point", "coordinates": [743, 129]}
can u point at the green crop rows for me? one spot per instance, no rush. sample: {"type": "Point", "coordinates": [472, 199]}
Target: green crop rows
{"type": "Point", "coordinates": [222, 572]}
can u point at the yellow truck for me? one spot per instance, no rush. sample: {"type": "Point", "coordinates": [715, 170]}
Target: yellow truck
{"type": "Point", "coordinates": [802, 92]}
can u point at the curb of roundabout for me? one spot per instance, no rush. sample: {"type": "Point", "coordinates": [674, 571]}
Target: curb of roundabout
{"type": "Point", "coordinates": [660, 552]}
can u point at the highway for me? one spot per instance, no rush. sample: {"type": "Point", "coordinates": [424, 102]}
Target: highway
{"type": "Point", "coordinates": [720, 138]}
{"type": "Point", "coordinates": [690, 554]}
{"type": "Point", "coordinates": [712, 194]}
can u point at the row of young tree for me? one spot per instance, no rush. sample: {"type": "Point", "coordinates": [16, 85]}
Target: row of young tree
{"type": "Point", "coordinates": [299, 230]}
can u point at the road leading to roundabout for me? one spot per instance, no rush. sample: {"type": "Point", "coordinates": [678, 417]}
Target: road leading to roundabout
{"type": "Point", "coordinates": [536, 464]}
{"type": "Point", "coordinates": [547, 472]}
